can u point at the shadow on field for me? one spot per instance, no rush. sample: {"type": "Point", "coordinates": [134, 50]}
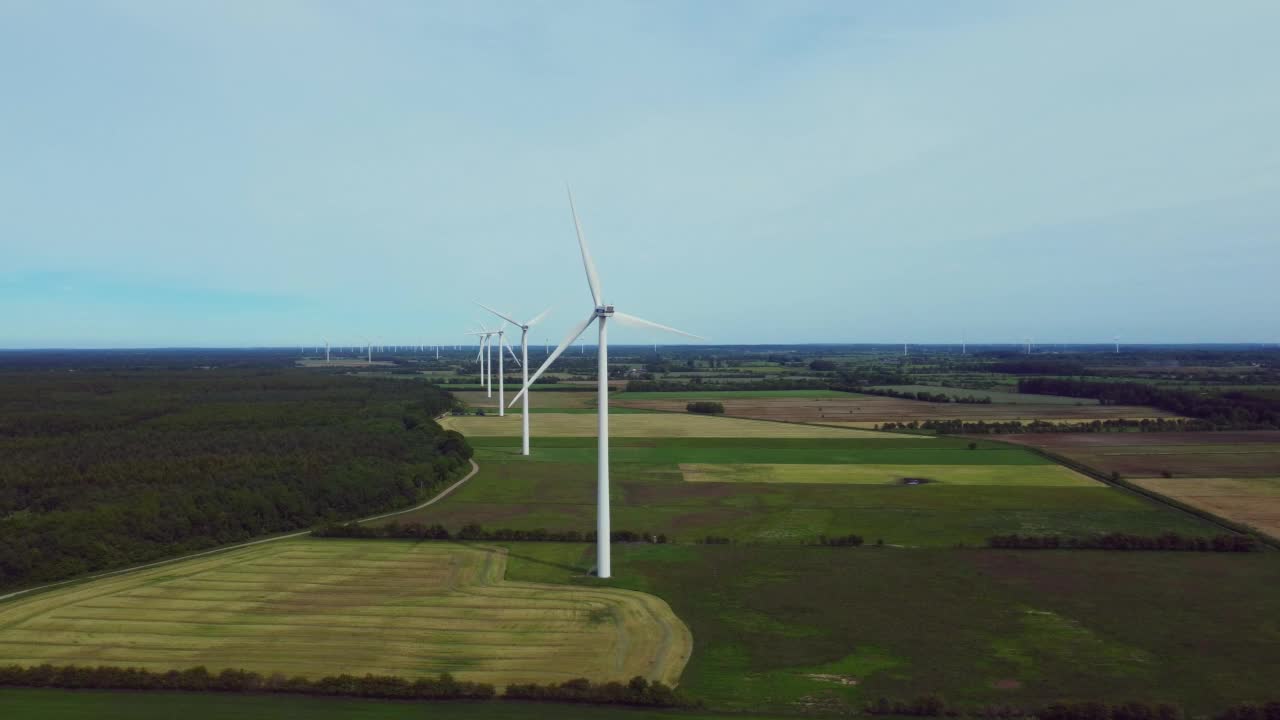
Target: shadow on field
{"type": "Point", "coordinates": [483, 545]}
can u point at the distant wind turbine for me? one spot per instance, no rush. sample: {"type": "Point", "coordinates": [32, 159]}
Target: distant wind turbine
{"type": "Point", "coordinates": [524, 368]}
{"type": "Point", "coordinates": [600, 314]}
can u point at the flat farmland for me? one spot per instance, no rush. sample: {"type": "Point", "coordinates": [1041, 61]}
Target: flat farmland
{"type": "Point", "coordinates": [318, 607]}
{"type": "Point", "coordinates": [1194, 454]}
{"type": "Point", "coordinates": [1250, 501]}
{"type": "Point", "coordinates": [871, 474]}
{"type": "Point", "coordinates": [555, 489]}
{"type": "Point", "coordinates": [1229, 474]}
{"type": "Point", "coordinates": [853, 408]}
{"type": "Point", "coordinates": [996, 396]}
{"type": "Point", "coordinates": [654, 425]}
{"type": "Point", "coordinates": [551, 399]}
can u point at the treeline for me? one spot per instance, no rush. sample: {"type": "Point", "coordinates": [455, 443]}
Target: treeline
{"type": "Point", "coordinates": [639, 691]}
{"type": "Point", "coordinates": [922, 395]}
{"type": "Point", "coordinates": [1012, 427]}
{"type": "Point", "coordinates": [1229, 410]}
{"type": "Point", "coordinates": [104, 470]}
{"type": "Point", "coordinates": [1252, 711]}
{"type": "Point", "coordinates": [840, 541]}
{"type": "Point", "coordinates": [706, 408]}
{"type": "Point", "coordinates": [474, 532]}
{"type": "Point", "coordinates": [1123, 541]}
{"type": "Point", "coordinates": [933, 706]}
{"type": "Point", "coordinates": [199, 679]}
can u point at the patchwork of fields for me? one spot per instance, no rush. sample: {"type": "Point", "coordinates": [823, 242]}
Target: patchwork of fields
{"type": "Point", "coordinates": [872, 474]}
{"type": "Point", "coordinates": [852, 408]}
{"type": "Point", "coordinates": [1229, 474]}
{"type": "Point", "coordinates": [653, 425]}
{"type": "Point", "coordinates": [318, 607]}
{"type": "Point", "coordinates": [988, 490]}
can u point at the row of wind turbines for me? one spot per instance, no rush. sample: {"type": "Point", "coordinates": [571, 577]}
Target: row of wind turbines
{"type": "Point", "coordinates": [601, 313]}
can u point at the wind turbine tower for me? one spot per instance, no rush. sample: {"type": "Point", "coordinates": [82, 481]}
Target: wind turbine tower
{"type": "Point", "coordinates": [600, 314]}
{"type": "Point", "coordinates": [524, 369]}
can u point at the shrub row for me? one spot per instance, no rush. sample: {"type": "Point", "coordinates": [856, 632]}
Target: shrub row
{"type": "Point", "coordinates": [841, 541]}
{"type": "Point", "coordinates": [1006, 427]}
{"type": "Point", "coordinates": [706, 408]}
{"type": "Point", "coordinates": [472, 531]}
{"type": "Point", "coordinates": [639, 691]}
{"type": "Point", "coordinates": [932, 706]}
{"type": "Point", "coordinates": [1124, 541]}
{"type": "Point", "coordinates": [1252, 711]}
{"type": "Point", "coordinates": [199, 679]}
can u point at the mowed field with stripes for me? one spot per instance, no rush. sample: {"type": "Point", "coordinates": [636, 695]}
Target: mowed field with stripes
{"type": "Point", "coordinates": [315, 607]}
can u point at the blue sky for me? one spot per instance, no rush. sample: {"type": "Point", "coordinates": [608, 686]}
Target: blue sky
{"type": "Point", "coordinates": [249, 173]}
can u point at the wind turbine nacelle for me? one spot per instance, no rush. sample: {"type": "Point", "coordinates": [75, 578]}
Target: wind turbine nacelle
{"type": "Point", "coordinates": [604, 310]}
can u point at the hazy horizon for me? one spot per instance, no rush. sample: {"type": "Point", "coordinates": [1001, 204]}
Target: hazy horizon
{"type": "Point", "coordinates": [243, 174]}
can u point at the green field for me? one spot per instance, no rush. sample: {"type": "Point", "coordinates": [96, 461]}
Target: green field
{"type": "Point", "coordinates": [772, 625]}
{"type": "Point", "coordinates": [871, 474]}
{"type": "Point", "coordinates": [315, 607]}
{"type": "Point", "coordinates": [555, 489]}
{"type": "Point", "coordinates": [654, 425]}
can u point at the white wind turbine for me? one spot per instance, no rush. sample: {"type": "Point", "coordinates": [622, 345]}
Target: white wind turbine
{"type": "Point", "coordinates": [524, 368]}
{"type": "Point", "coordinates": [600, 314]}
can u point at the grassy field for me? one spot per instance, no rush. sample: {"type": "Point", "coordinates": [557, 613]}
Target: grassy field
{"type": "Point", "coordinates": [997, 396]}
{"type": "Point", "coordinates": [77, 705]}
{"type": "Point", "coordinates": [869, 474]}
{"type": "Point", "coordinates": [651, 425]}
{"type": "Point", "coordinates": [555, 488]}
{"type": "Point", "coordinates": [803, 630]}
{"type": "Point", "coordinates": [316, 607]}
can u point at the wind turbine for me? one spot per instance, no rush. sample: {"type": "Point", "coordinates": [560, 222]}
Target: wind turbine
{"type": "Point", "coordinates": [524, 369]}
{"type": "Point", "coordinates": [600, 314]}
{"type": "Point", "coordinates": [326, 351]}
{"type": "Point", "coordinates": [1117, 338]}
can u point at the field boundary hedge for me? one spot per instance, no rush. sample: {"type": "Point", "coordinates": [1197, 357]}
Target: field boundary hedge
{"type": "Point", "coordinates": [638, 692]}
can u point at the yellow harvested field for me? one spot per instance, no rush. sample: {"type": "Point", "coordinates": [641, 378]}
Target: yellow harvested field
{"type": "Point", "coordinates": [1250, 501]}
{"type": "Point", "coordinates": [649, 425]}
{"type": "Point", "coordinates": [859, 474]}
{"type": "Point", "coordinates": [317, 607]}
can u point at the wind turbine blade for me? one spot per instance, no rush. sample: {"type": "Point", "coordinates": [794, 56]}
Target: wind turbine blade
{"type": "Point", "coordinates": [592, 278]}
{"type": "Point", "coordinates": [495, 312]}
{"type": "Point", "coordinates": [634, 321]}
{"type": "Point", "coordinates": [538, 318]}
{"type": "Point", "coordinates": [513, 353]}
{"type": "Point", "coordinates": [564, 344]}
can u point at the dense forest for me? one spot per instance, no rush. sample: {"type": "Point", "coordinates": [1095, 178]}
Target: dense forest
{"type": "Point", "coordinates": [1234, 410]}
{"type": "Point", "coordinates": [104, 469]}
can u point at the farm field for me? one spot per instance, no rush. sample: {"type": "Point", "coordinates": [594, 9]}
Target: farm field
{"type": "Point", "coordinates": [874, 409]}
{"type": "Point", "coordinates": [997, 396]}
{"type": "Point", "coordinates": [645, 425]}
{"type": "Point", "coordinates": [1250, 501]}
{"type": "Point", "coordinates": [1229, 474]}
{"type": "Point", "coordinates": [808, 630]}
{"type": "Point", "coordinates": [555, 489]}
{"type": "Point", "coordinates": [323, 607]}
{"type": "Point", "coordinates": [870, 474]}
